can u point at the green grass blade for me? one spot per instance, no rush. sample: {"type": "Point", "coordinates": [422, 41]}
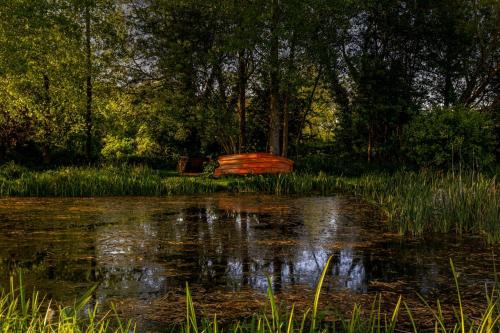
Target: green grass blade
{"type": "Point", "coordinates": [317, 294]}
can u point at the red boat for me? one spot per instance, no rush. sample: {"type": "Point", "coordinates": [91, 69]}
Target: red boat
{"type": "Point", "coordinates": [252, 164]}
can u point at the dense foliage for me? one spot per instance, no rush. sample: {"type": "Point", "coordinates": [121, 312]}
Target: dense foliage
{"type": "Point", "coordinates": [448, 138]}
{"type": "Point", "coordinates": [151, 80]}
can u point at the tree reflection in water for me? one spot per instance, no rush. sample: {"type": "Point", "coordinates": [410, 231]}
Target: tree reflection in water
{"type": "Point", "coordinates": [145, 248]}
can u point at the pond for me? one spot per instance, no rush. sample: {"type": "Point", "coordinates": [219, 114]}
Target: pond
{"type": "Point", "coordinates": [141, 251]}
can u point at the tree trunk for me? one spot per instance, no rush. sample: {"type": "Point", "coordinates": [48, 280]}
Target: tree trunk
{"type": "Point", "coordinates": [88, 116]}
{"type": "Point", "coordinates": [370, 143]}
{"type": "Point", "coordinates": [46, 144]}
{"type": "Point", "coordinates": [307, 110]}
{"type": "Point", "coordinates": [286, 102]}
{"type": "Point", "coordinates": [274, 126]}
{"type": "Point", "coordinates": [340, 95]}
{"type": "Point", "coordinates": [242, 81]}
{"type": "Point", "coordinates": [448, 87]}
{"type": "Point", "coordinates": [449, 92]}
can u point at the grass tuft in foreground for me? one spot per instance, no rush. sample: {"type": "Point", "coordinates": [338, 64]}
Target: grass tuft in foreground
{"type": "Point", "coordinates": [20, 313]}
{"type": "Point", "coordinates": [283, 319]}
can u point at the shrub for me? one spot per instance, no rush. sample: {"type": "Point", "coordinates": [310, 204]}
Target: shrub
{"type": "Point", "coordinates": [11, 170]}
{"type": "Point", "coordinates": [209, 167]}
{"type": "Point", "coordinates": [445, 137]}
{"type": "Point", "coordinates": [117, 149]}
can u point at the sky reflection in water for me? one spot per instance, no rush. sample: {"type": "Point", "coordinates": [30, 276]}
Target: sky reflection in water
{"type": "Point", "coordinates": [145, 248]}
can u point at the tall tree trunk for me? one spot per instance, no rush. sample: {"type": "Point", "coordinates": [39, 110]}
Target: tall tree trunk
{"type": "Point", "coordinates": [448, 87]}
{"type": "Point", "coordinates": [370, 143]}
{"type": "Point", "coordinates": [449, 92]}
{"type": "Point", "coordinates": [88, 116]}
{"type": "Point", "coordinates": [274, 128]}
{"type": "Point", "coordinates": [307, 109]}
{"type": "Point", "coordinates": [340, 95]}
{"type": "Point", "coordinates": [242, 81]}
{"type": "Point", "coordinates": [286, 102]}
{"type": "Point", "coordinates": [46, 144]}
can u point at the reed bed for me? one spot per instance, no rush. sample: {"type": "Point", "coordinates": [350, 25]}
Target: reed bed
{"type": "Point", "coordinates": [288, 184]}
{"type": "Point", "coordinates": [143, 181]}
{"type": "Point", "coordinates": [106, 181]}
{"type": "Point", "coordinates": [417, 203]}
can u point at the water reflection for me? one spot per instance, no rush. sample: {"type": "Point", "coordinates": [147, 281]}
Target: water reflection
{"type": "Point", "coordinates": [145, 248]}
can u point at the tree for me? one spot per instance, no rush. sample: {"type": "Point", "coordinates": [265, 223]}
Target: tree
{"type": "Point", "coordinates": [274, 63]}
{"type": "Point", "coordinates": [88, 83]}
{"type": "Point", "coordinates": [37, 72]}
{"type": "Point", "coordinates": [160, 78]}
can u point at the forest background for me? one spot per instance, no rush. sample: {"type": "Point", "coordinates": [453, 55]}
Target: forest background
{"type": "Point", "coordinates": [342, 85]}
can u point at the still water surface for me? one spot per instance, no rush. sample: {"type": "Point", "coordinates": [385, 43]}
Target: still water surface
{"type": "Point", "coordinates": [141, 251]}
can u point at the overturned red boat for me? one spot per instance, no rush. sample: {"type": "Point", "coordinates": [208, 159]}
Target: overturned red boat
{"type": "Point", "coordinates": [252, 164]}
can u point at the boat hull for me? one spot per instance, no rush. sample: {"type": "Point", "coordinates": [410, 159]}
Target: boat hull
{"type": "Point", "coordinates": [252, 164]}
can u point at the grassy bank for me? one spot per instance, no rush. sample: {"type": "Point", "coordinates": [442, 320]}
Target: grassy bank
{"type": "Point", "coordinates": [144, 181]}
{"type": "Point", "coordinates": [19, 313]}
{"type": "Point", "coordinates": [106, 181]}
{"type": "Point", "coordinates": [413, 203]}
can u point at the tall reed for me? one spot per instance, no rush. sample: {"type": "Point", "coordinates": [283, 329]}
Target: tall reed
{"type": "Point", "coordinates": [106, 181]}
{"type": "Point", "coordinates": [417, 203]}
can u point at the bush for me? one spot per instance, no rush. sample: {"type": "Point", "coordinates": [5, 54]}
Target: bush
{"type": "Point", "coordinates": [11, 170]}
{"type": "Point", "coordinates": [209, 167]}
{"type": "Point", "coordinates": [117, 149]}
{"type": "Point", "coordinates": [447, 137]}
{"type": "Point", "coordinates": [337, 164]}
